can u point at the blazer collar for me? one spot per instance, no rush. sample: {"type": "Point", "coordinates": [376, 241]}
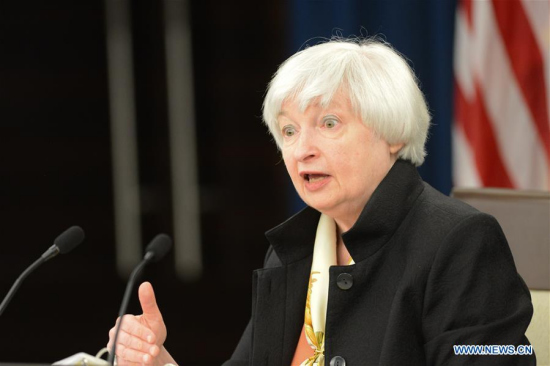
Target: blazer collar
{"type": "Point", "coordinates": [391, 201]}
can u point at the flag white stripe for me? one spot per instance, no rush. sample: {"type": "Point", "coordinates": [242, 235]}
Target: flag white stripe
{"type": "Point", "coordinates": [462, 60]}
{"type": "Point", "coordinates": [464, 166]}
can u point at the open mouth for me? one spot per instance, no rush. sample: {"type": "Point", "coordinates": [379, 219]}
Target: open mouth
{"type": "Point", "coordinates": [314, 177]}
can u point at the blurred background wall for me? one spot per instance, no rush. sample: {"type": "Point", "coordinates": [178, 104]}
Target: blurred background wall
{"type": "Point", "coordinates": [57, 159]}
{"type": "Point", "coordinates": [102, 105]}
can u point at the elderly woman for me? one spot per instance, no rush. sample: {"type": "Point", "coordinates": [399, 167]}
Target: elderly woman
{"type": "Point", "coordinates": [380, 268]}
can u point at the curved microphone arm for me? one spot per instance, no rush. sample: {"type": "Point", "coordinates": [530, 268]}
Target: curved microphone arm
{"type": "Point", "coordinates": [18, 283]}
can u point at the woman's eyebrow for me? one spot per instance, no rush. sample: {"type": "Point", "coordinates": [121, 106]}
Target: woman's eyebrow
{"type": "Point", "coordinates": [285, 115]}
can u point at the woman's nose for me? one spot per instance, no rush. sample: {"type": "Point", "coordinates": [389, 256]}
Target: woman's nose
{"type": "Point", "coordinates": [306, 146]}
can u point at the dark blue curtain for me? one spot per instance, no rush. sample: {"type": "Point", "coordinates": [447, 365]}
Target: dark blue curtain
{"type": "Point", "coordinates": [422, 30]}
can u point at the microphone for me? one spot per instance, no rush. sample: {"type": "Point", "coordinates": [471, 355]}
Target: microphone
{"type": "Point", "coordinates": [158, 248]}
{"type": "Point", "coordinates": [64, 243]}
{"type": "Point", "coordinates": [155, 251]}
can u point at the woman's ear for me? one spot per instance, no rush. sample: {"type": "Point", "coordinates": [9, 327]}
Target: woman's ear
{"type": "Point", "coordinates": [394, 148]}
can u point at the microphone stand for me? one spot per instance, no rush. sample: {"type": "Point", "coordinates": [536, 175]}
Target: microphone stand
{"type": "Point", "coordinates": [18, 283]}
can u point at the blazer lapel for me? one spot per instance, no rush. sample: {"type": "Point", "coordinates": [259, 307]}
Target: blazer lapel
{"type": "Point", "coordinates": [278, 311]}
{"type": "Point", "coordinates": [297, 282]}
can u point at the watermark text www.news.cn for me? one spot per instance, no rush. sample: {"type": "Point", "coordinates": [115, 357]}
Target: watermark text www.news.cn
{"type": "Point", "coordinates": [494, 350]}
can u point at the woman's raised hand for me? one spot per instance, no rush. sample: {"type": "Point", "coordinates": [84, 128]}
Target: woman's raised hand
{"type": "Point", "coordinates": [141, 337]}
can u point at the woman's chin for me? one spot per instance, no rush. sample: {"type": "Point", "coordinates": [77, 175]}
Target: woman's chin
{"type": "Point", "coordinates": [322, 206]}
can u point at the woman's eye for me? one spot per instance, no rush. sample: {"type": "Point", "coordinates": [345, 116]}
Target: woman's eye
{"type": "Point", "coordinates": [330, 122]}
{"type": "Point", "coordinates": [289, 131]}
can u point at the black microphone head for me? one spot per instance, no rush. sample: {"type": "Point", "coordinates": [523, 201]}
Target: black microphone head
{"type": "Point", "coordinates": [159, 246]}
{"type": "Point", "coordinates": [69, 239]}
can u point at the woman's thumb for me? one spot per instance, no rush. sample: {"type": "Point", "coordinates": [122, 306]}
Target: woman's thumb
{"type": "Point", "coordinates": [148, 301]}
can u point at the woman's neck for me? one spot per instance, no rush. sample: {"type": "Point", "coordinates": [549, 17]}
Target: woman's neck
{"type": "Point", "coordinates": [342, 254]}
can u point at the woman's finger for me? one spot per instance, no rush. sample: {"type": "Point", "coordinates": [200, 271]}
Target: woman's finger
{"type": "Point", "coordinates": [132, 325]}
{"type": "Point", "coordinates": [130, 355]}
{"type": "Point", "coordinates": [135, 343]}
{"type": "Point", "coordinates": [122, 362]}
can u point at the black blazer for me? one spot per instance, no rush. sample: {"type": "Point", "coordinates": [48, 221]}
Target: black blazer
{"type": "Point", "coordinates": [430, 272]}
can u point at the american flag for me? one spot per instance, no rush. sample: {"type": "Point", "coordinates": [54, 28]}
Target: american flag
{"type": "Point", "coordinates": [501, 134]}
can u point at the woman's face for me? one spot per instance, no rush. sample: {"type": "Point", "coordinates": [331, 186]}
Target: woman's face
{"type": "Point", "coordinates": [334, 160]}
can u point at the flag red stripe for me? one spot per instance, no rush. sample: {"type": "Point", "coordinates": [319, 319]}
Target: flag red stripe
{"type": "Point", "coordinates": [527, 62]}
{"type": "Point", "coordinates": [467, 6]}
{"type": "Point", "coordinates": [480, 135]}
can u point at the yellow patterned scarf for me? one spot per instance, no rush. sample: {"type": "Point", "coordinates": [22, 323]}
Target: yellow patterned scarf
{"type": "Point", "coordinates": [324, 256]}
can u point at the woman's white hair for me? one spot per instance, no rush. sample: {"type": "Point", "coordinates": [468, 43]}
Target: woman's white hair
{"type": "Point", "coordinates": [381, 86]}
